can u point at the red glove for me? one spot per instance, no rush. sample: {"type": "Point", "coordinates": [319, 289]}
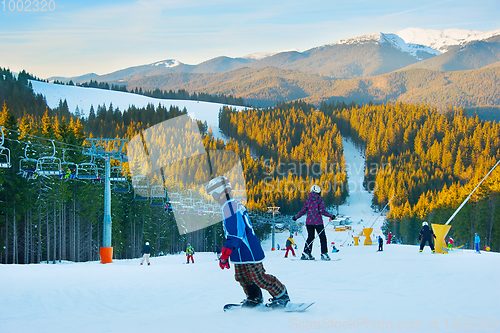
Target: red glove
{"type": "Point", "coordinates": [224, 258]}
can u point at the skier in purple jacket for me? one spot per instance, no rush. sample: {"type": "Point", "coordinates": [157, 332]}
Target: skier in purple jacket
{"type": "Point", "coordinates": [315, 208]}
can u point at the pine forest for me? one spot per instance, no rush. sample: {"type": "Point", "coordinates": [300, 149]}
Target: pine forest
{"type": "Point", "coordinates": [429, 160]}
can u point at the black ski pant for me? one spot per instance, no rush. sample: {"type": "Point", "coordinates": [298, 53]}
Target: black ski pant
{"type": "Point", "coordinates": [422, 244]}
{"type": "Point", "coordinates": [380, 247]}
{"type": "Point", "coordinates": [319, 228]}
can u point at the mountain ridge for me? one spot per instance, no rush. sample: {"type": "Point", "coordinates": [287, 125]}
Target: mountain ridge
{"type": "Point", "coordinates": [421, 44]}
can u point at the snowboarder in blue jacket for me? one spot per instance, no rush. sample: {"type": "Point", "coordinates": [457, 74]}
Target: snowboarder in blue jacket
{"type": "Point", "coordinates": [243, 248]}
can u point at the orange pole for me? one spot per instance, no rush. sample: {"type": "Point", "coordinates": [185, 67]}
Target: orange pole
{"type": "Point", "coordinates": [106, 254]}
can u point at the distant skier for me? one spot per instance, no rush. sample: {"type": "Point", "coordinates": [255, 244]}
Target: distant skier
{"type": "Point", "coordinates": [315, 208]}
{"type": "Point", "coordinates": [477, 241]}
{"type": "Point", "coordinates": [146, 252]}
{"type": "Point", "coordinates": [450, 244]}
{"type": "Point", "coordinates": [380, 244]}
{"type": "Point", "coordinates": [189, 253]}
{"type": "Point", "coordinates": [289, 243]}
{"type": "Point", "coordinates": [244, 249]}
{"type": "Point", "coordinates": [389, 237]}
{"type": "Point", "coordinates": [426, 235]}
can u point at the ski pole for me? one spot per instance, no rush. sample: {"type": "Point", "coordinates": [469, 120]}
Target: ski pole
{"type": "Point", "coordinates": [324, 227]}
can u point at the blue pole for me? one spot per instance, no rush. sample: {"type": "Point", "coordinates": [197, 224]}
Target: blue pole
{"type": "Point", "coordinates": [106, 234]}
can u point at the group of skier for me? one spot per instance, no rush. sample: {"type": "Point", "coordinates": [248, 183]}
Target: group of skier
{"type": "Point", "coordinates": [243, 249]}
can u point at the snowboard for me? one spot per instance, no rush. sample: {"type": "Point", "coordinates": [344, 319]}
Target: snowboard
{"type": "Point", "coordinates": [290, 307]}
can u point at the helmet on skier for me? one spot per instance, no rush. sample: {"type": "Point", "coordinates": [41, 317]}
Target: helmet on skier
{"type": "Point", "coordinates": [425, 223]}
{"type": "Point", "coordinates": [316, 189]}
{"type": "Point", "coordinates": [217, 186]}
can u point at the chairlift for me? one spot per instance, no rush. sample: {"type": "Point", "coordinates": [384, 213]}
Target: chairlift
{"type": "Point", "coordinates": [27, 165]}
{"type": "Point", "coordinates": [4, 153]}
{"type": "Point", "coordinates": [140, 182]}
{"type": "Point", "coordinates": [187, 201]}
{"type": "Point", "coordinates": [141, 194]}
{"type": "Point", "coordinates": [49, 165]}
{"type": "Point", "coordinates": [4, 157]}
{"type": "Point", "coordinates": [121, 187]}
{"type": "Point", "coordinates": [158, 196]}
{"type": "Point", "coordinates": [118, 174]}
{"type": "Point", "coordinates": [87, 171]}
{"type": "Point", "coordinates": [67, 166]}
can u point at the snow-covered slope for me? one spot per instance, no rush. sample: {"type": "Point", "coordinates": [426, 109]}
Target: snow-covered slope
{"type": "Point", "coordinates": [85, 97]}
{"type": "Point", "coordinates": [364, 291]}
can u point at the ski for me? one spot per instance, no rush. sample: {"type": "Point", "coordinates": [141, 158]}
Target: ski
{"type": "Point", "coordinates": [454, 249]}
{"type": "Point", "coordinates": [298, 259]}
{"type": "Point", "coordinates": [290, 307]}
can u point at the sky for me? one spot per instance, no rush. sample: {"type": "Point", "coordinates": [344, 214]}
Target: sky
{"type": "Point", "coordinates": [75, 37]}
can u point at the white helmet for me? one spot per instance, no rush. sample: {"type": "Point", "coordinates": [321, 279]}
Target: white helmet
{"type": "Point", "coordinates": [147, 243]}
{"type": "Point", "coordinates": [217, 186]}
{"type": "Point", "coordinates": [425, 223]}
{"type": "Point", "coordinates": [316, 189]}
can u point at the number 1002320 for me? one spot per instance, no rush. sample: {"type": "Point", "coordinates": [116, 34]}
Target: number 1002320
{"type": "Point", "coordinates": [28, 5]}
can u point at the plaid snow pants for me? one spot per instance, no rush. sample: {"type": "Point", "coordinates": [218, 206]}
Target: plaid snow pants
{"type": "Point", "coordinates": [249, 274]}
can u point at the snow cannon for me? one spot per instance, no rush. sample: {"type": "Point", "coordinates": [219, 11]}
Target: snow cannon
{"type": "Point", "coordinates": [440, 231]}
{"type": "Point", "coordinates": [367, 233]}
{"type": "Point", "coordinates": [106, 254]}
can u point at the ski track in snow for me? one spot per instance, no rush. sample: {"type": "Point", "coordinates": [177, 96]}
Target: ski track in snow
{"type": "Point", "coordinates": [365, 291]}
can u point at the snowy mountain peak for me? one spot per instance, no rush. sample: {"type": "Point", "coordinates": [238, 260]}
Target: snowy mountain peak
{"type": "Point", "coordinates": [392, 39]}
{"type": "Point", "coordinates": [167, 63]}
{"type": "Point", "coordinates": [442, 39]}
{"type": "Point", "coordinates": [262, 55]}
{"type": "Point", "coordinates": [412, 40]}
{"type": "Point", "coordinates": [411, 48]}
{"type": "Point", "coordinates": [360, 39]}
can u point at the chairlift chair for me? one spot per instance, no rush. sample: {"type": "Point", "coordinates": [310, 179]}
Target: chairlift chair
{"type": "Point", "coordinates": [87, 171]}
{"type": "Point", "coordinates": [27, 165]}
{"type": "Point", "coordinates": [4, 157]}
{"type": "Point", "coordinates": [118, 174]}
{"type": "Point", "coordinates": [121, 187]}
{"type": "Point", "coordinates": [158, 196]}
{"type": "Point", "coordinates": [141, 194]}
{"type": "Point", "coordinates": [66, 165]}
{"type": "Point", "coordinates": [4, 153]}
{"type": "Point", "coordinates": [187, 201]}
{"type": "Point", "coordinates": [49, 165]}
{"type": "Point", "coordinates": [140, 182]}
